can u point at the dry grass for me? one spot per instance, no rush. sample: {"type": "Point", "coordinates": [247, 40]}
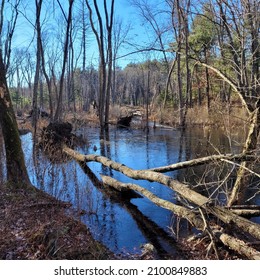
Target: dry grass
{"type": "Point", "coordinates": [220, 115]}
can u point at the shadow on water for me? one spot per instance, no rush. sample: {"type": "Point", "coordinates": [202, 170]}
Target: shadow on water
{"type": "Point", "coordinates": [123, 224]}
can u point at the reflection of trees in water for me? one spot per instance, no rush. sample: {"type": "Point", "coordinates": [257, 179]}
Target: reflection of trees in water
{"type": "Point", "coordinates": [212, 179]}
{"type": "Point", "coordinates": [162, 241]}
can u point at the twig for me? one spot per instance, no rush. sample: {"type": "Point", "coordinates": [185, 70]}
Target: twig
{"type": "Point", "coordinates": [210, 233]}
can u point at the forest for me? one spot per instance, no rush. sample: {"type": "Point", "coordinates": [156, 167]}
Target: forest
{"type": "Point", "coordinates": [119, 84]}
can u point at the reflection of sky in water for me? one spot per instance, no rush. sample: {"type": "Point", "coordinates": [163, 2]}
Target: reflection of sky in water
{"type": "Point", "coordinates": [114, 223]}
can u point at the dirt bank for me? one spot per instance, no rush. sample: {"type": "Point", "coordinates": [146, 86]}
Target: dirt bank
{"type": "Point", "coordinates": [34, 225]}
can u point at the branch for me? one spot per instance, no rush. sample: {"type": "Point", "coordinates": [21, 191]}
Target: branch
{"type": "Point", "coordinates": [140, 51]}
{"type": "Point", "coordinates": [230, 82]}
{"type": "Point", "coordinates": [201, 161]}
{"type": "Point", "coordinates": [241, 166]}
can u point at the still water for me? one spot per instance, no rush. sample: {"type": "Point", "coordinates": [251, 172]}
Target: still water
{"type": "Point", "coordinates": [125, 226]}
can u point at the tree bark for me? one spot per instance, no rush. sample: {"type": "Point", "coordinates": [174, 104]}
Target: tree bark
{"type": "Point", "coordinates": [16, 169]}
{"type": "Point", "coordinates": [243, 176]}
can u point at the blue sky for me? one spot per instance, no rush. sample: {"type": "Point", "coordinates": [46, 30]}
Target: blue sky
{"type": "Point", "coordinates": [139, 34]}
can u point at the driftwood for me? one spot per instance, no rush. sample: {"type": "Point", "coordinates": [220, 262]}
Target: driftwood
{"type": "Point", "coordinates": [202, 202]}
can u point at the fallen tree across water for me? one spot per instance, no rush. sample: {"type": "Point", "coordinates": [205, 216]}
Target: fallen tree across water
{"type": "Point", "coordinates": [196, 220]}
{"type": "Point", "coordinates": [228, 218]}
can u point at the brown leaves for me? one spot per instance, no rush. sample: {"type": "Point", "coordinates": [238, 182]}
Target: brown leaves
{"type": "Point", "coordinates": [35, 226]}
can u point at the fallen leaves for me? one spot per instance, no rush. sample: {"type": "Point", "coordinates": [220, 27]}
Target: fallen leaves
{"type": "Point", "coordinates": [34, 225]}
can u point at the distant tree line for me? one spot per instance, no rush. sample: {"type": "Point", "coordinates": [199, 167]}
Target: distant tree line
{"type": "Point", "coordinates": [191, 44]}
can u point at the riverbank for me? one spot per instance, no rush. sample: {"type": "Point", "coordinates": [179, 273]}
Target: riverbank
{"type": "Point", "coordinates": [34, 225]}
{"type": "Point", "coordinates": [225, 116]}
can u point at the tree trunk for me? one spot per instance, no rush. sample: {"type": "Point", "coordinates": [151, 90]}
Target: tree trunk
{"type": "Point", "coordinates": [37, 69]}
{"type": "Point", "coordinates": [58, 114]}
{"type": "Point", "coordinates": [179, 73]}
{"type": "Point", "coordinates": [207, 80]}
{"type": "Point", "coordinates": [243, 176]}
{"type": "Point", "coordinates": [16, 169]}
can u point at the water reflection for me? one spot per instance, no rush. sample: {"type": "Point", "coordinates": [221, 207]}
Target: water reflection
{"type": "Point", "coordinates": [126, 225]}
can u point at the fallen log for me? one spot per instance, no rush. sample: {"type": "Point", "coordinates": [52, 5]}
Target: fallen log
{"type": "Point", "coordinates": [181, 211]}
{"type": "Point", "coordinates": [184, 190]}
{"type": "Point", "coordinates": [249, 213]}
{"type": "Point", "coordinates": [233, 243]}
{"type": "Point", "coordinates": [245, 210]}
{"type": "Point", "coordinates": [152, 232]}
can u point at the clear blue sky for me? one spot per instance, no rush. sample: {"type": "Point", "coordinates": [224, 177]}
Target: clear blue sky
{"type": "Point", "coordinates": [138, 34]}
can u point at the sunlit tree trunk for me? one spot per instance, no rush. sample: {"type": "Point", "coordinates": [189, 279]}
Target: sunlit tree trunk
{"type": "Point", "coordinates": [38, 5]}
{"type": "Point", "coordinates": [15, 164]}
{"type": "Point", "coordinates": [59, 112]}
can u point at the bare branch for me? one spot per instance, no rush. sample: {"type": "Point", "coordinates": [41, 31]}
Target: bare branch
{"type": "Point", "coordinates": [201, 161]}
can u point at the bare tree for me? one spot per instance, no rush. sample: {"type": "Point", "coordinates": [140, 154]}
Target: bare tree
{"type": "Point", "coordinates": [105, 76]}
{"type": "Point", "coordinates": [38, 5]}
{"type": "Point", "coordinates": [231, 19]}
{"type": "Point", "coordinates": [58, 113]}
{"type": "Point", "coordinates": [16, 169]}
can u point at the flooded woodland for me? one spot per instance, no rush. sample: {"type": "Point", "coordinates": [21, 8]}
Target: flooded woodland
{"type": "Point", "coordinates": [129, 129]}
{"type": "Point", "coordinates": [125, 224]}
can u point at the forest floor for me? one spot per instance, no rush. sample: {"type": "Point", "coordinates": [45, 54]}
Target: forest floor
{"type": "Point", "coordinates": [34, 225]}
